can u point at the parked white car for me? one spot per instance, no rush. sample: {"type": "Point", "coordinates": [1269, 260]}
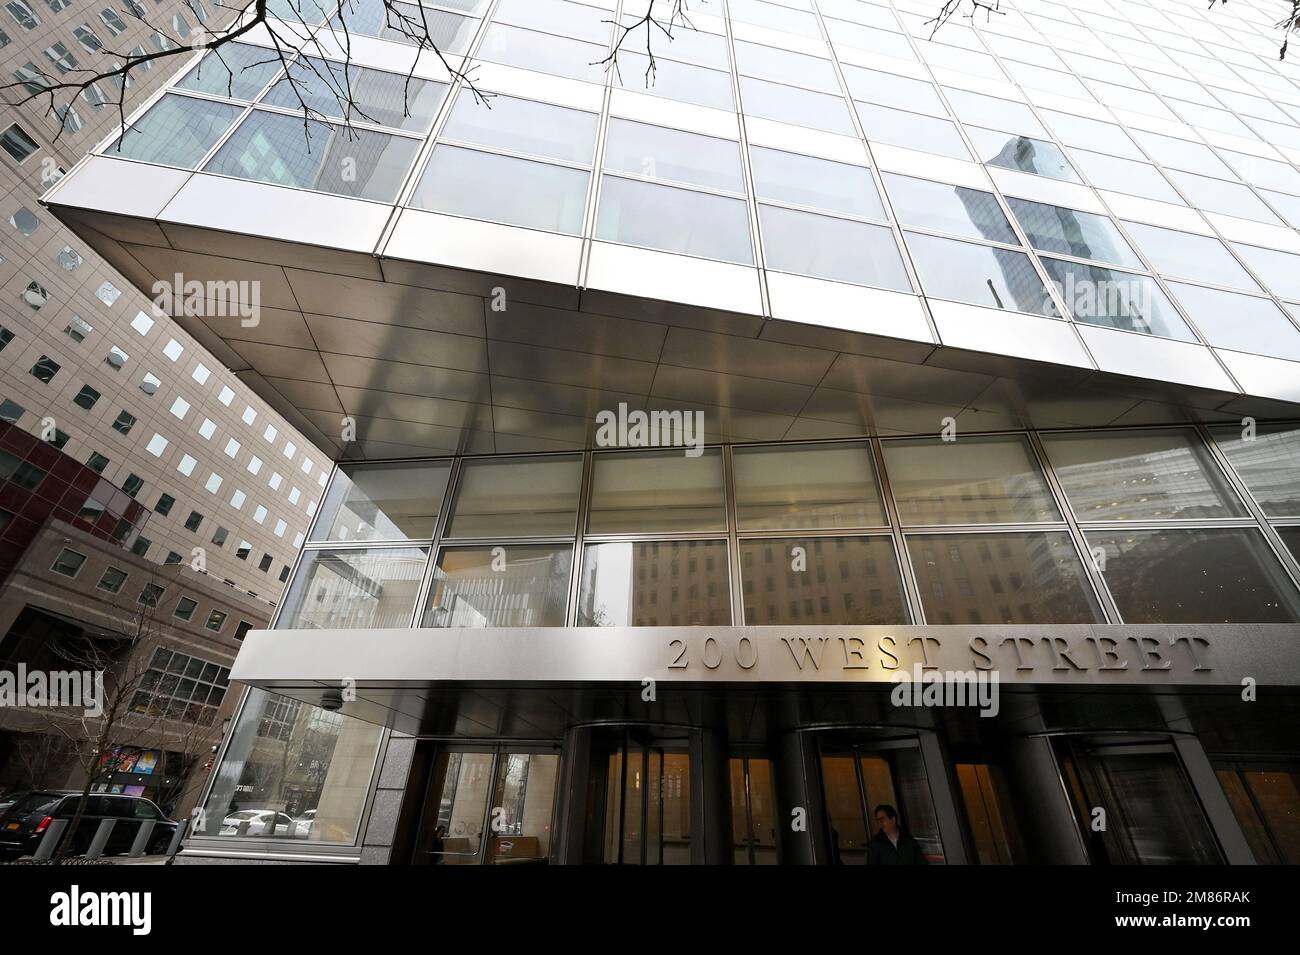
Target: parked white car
{"type": "Point", "coordinates": [259, 822]}
{"type": "Point", "coordinates": [302, 825]}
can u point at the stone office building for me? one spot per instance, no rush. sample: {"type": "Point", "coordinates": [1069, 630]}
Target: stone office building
{"type": "Point", "coordinates": [992, 335]}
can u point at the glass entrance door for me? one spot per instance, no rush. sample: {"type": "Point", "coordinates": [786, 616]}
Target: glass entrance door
{"type": "Point", "coordinates": [857, 777]}
{"type": "Point", "coordinates": [647, 802]}
{"type": "Point", "coordinates": [1134, 803]}
{"type": "Point", "coordinates": [488, 806]}
{"type": "Point", "coordinates": [1265, 796]}
{"type": "Point", "coordinates": [753, 811]}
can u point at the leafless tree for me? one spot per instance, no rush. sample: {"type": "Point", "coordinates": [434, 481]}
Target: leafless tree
{"type": "Point", "coordinates": [134, 706]}
{"type": "Point", "coordinates": [41, 755]}
{"type": "Point", "coordinates": [293, 27]}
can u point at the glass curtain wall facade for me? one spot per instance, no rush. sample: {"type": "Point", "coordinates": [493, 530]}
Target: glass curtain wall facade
{"type": "Point", "coordinates": [1079, 222]}
{"type": "Point", "coordinates": [994, 331]}
{"type": "Point", "coordinates": [1166, 525]}
{"type": "Point", "coordinates": [1002, 528]}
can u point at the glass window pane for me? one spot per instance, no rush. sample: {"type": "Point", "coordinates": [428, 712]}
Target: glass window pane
{"type": "Point", "coordinates": [685, 82]}
{"type": "Point", "coordinates": [1287, 206]}
{"type": "Point", "coordinates": [1240, 322]}
{"type": "Point", "coordinates": [900, 92]}
{"type": "Point", "coordinates": [516, 497]}
{"type": "Point", "coordinates": [240, 71]}
{"type": "Point", "coordinates": [1268, 460]}
{"type": "Point", "coordinates": [674, 220]}
{"type": "Point", "coordinates": [543, 52]}
{"type": "Point", "coordinates": [1227, 198]}
{"type": "Point", "coordinates": [973, 480]}
{"type": "Point", "coordinates": [465, 182]}
{"type": "Point", "coordinates": [981, 110]}
{"type": "Point", "coordinates": [658, 153]}
{"type": "Point", "coordinates": [789, 104]}
{"type": "Point", "coordinates": [557, 16]}
{"type": "Point", "coordinates": [806, 487]}
{"type": "Point", "coordinates": [354, 589]}
{"type": "Point", "coordinates": [838, 249]}
{"type": "Point", "coordinates": [645, 492]}
{"type": "Point", "coordinates": [404, 23]}
{"type": "Point", "coordinates": [1092, 134]}
{"type": "Point", "coordinates": [1022, 153]}
{"type": "Point", "coordinates": [777, 17]}
{"type": "Point", "coordinates": [358, 94]}
{"type": "Point", "coordinates": [816, 183]}
{"type": "Point", "coordinates": [1181, 154]}
{"type": "Point", "coordinates": [312, 765]}
{"type": "Point", "coordinates": [1002, 578]}
{"type": "Point", "coordinates": [523, 126]}
{"type": "Point", "coordinates": [843, 33]}
{"type": "Point", "coordinates": [1189, 256]}
{"type": "Point", "coordinates": [979, 274]}
{"type": "Point", "coordinates": [1096, 295]}
{"type": "Point", "coordinates": [1071, 232]}
{"type": "Point", "coordinates": [1280, 271]}
{"type": "Point", "coordinates": [525, 796]}
{"type": "Point", "coordinates": [503, 586]}
{"type": "Point", "coordinates": [840, 581]}
{"type": "Point", "coordinates": [688, 46]}
{"type": "Point", "coordinates": [655, 584]}
{"type": "Point", "coordinates": [383, 502]}
{"type": "Point", "coordinates": [786, 66]}
{"type": "Point", "coordinates": [1124, 175]}
{"type": "Point", "coordinates": [1265, 173]}
{"type": "Point", "coordinates": [1139, 476]}
{"type": "Point", "coordinates": [911, 130]}
{"type": "Point", "coordinates": [176, 131]}
{"type": "Point", "coordinates": [1291, 537]}
{"type": "Point", "coordinates": [945, 208]}
{"type": "Point", "coordinates": [274, 148]}
{"type": "Point", "coordinates": [1201, 575]}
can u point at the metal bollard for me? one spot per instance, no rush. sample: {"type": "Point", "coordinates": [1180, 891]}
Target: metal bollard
{"type": "Point", "coordinates": [142, 837]}
{"type": "Point", "coordinates": [175, 844]}
{"type": "Point", "coordinates": [45, 851]}
{"type": "Point", "coordinates": [101, 838]}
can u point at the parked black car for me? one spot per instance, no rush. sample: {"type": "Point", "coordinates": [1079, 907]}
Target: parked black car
{"type": "Point", "coordinates": [23, 824]}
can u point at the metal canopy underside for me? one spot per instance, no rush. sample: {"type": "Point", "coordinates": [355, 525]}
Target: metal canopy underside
{"type": "Point", "coordinates": [418, 357]}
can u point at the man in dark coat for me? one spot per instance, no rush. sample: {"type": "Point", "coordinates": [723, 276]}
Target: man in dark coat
{"type": "Point", "coordinates": [892, 846]}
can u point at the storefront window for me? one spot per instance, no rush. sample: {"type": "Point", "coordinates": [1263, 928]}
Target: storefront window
{"type": "Point", "coordinates": [352, 589]}
{"type": "Point", "coordinates": [383, 502]}
{"type": "Point", "coordinates": [292, 771]}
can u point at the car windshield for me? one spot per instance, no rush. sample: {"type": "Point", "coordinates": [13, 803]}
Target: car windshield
{"type": "Point", "coordinates": [246, 814]}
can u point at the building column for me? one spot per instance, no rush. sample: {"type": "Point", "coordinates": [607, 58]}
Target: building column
{"type": "Point", "coordinates": [944, 796]}
{"type": "Point", "coordinates": [1200, 773]}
